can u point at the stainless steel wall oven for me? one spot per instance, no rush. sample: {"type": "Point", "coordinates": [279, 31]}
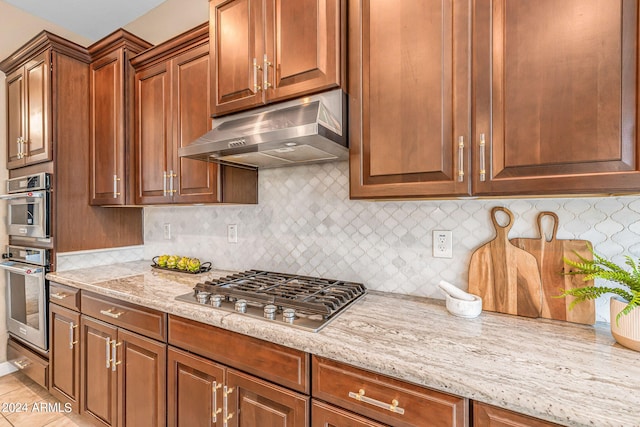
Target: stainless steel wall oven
{"type": "Point", "coordinates": [26, 294]}
{"type": "Point", "coordinates": [28, 206]}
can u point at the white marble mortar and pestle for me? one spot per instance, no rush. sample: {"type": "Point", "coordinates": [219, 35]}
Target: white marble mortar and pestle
{"type": "Point", "coordinates": [460, 303]}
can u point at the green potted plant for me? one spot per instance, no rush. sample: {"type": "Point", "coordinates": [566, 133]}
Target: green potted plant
{"type": "Point", "coordinates": [625, 315]}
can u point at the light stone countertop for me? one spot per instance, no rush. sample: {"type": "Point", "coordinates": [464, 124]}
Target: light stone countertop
{"type": "Point", "coordinates": [571, 374]}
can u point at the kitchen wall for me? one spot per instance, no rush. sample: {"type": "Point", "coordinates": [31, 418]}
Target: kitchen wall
{"type": "Point", "coordinates": [305, 223]}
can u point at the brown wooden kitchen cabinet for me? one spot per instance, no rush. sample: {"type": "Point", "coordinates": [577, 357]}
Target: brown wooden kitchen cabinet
{"type": "Point", "coordinates": [325, 415]}
{"type": "Point", "coordinates": [269, 51]}
{"type": "Point", "coordinates": [111, 118]}
{"type": "Point", "coordinates": [245, 399]}
{"type": "Point", "coordinates": [123, 373]}
{"type": "Point", "coordinates": [385, 399]}
{"type": "Point", "coordinates": [409, 85]}
{"type": "Point", "coordinates": [490, 416]}
{"type": "Point", "coordinates": [64, 355]}
{"type": "Point", "coordinates": [29, 102]}
{"type": "Point", "coordinates": [554, 107]}
{"type": "Point", "coordinates": [172, 105]}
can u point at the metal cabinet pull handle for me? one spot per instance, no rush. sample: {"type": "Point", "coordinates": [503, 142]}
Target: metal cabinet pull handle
{"type": "Point", "coordinates": [22, 364]}
{"type": "Point", "coordinates": [71, 341]}
{"type": "Point", "coordinates": [483, 171]}
{"type": "Point", "coordinates": [110, 313]}
{"type": "Point", "coordinates": [164, 183]}
{"type": "Point", "coordinates": [265, 66]}
{"type": "Point", "coordinates": [460, 158]}
{"type": "Point", "coordinates": [114, 358]}
{"type": "Point", "coordinates": [59, 295]}
{"type": "Point", "coordinates": [115, 186]}
{"type": "Point", "coordinates": [171, 176]}
{"type": "Point", "coordinates": [108, 346]}
{"type": "Point", "coordinates": [226, 415]}
{"type": "Point", "coordinates": [393, 406]}
{"type": "Point", "coordinates": [19, 141]}
{"type": "Point", "coordinates": [256, 67]}
{"type": "Point", "coordinates": [214, 388]}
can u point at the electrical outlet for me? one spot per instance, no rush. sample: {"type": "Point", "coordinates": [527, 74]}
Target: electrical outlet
{"type": "Point", "coordinates": [167, 231]}
{"type": "Point", "coordinates": [232, 233]}
{"type": "Point", "coordinates": [442, 244]}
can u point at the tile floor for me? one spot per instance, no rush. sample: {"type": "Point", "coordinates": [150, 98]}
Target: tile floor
{"type": "Point", "coordinates": [21, 400]}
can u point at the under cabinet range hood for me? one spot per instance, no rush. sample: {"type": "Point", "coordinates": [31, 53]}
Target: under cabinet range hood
{"type": "Point", "coordinates": [306, 130]}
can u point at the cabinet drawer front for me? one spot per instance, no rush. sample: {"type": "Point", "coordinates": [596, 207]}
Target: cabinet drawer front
{"type": "Point", "coordinates": [145, 321]}
{"type": "Point", "coordinates": [282, 365]}
{"type": "Point", "coordinates": [486, 415]}
{"type": "Point", "coordinates": [29, 363]}
{"type": "Point", "coordinates": [324, 415]}
{"type": "Point", "coordinates": [65, 296]}
{"type": "Point", "coordinates": [373, 395]}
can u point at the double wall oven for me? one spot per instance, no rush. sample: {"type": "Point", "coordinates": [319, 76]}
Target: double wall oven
{"type": "Point", "coordinates": [28, 201]}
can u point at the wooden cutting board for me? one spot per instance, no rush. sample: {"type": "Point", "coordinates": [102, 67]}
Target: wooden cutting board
{"type": "Point", "coordinates": [505, 276]}
{"type": "Point", "coordinates": [549, 254]}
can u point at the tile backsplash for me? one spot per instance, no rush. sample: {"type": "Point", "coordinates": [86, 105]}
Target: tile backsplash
{"type": "Point", "coordinates": [306, 224]}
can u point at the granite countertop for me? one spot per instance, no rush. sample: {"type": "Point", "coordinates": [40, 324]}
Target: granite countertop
{"type": "Point", "coordinates": [571, 374]}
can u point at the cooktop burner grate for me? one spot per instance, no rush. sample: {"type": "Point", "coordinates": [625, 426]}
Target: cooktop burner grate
{"type": "Point", "coordinates": [304, 293]}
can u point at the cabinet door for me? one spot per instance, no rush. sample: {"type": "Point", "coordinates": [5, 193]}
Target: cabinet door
{"type": "Point", "coordinates": [153, 134]}
{"type": "Point", "coordinates": [107, 130]}
{"type": "Point", "coordinates": [237, 50]}
{"type": "Point", "coordinates": [557, 103]}
{"type": "Point", "coordinates": [253, 402]}
{"type": "Point", "coordinates": [303, 47]}
{"type": "Point", "coordinates": [64, 362]}
{"type": "Point", "coordinates": [323, 415]}
{"type": "Point", "coordinates": [194, 390]}
{"type": "Point", "coordinates": [141, 365]}
{"type": "Point", "coordinates": [97, 376]}
{"type": "Point", "coordinates": [15, 118]}
{"type": "Point", "coordinates": [490, 416]}
{"type": "Point", "coordinates": [409, 98]}
{"type": "Point", "coordinates": [196, 181]}
{"type": "Point", "coordinates": [37, 108]}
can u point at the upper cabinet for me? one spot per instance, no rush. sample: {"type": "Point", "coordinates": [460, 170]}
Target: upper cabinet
{"type": "Point", "coordinates": [267, 51]}
{"type": "Point", "coordinates": [531, 109]}
{"type": "Point", "coordinates": [111, 120]}
{"type": "Point", "coordinates": [31, 86]}
{"type": "Point", "coordinates": [409, 84]}
{"type": "Point", "coordinates": [172, 109]}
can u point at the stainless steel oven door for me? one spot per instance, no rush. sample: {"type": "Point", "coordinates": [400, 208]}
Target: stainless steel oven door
{"type": "Point", "coordinates": [28, 214]}
{"type": "Point", "coordinates": [26, 302]}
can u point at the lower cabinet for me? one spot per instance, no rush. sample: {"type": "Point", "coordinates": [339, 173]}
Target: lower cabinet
{"type": "Point", "coordinates": [123, 376]}
{"type": "Point", "coordinates": [385, 399]}
{"type": "Point", "coordinates": [205, 392]}
{"type": "Point", "coordinates": [64, 361]}
{"type": "Point", "coordinates": [490, 416]}
{"type": "Point", "coordinates": [324, 415]}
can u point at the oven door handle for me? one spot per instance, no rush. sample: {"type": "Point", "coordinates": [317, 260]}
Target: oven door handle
{"type": "Point", "coordinates": [24, 269]}
{"type": "Point", "coordinates": [17, 196]}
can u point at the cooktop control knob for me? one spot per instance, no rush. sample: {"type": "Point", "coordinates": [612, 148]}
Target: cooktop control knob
{"type": "Point", "coordinates": [270, 311]}
{"type": "Point", "coordinates": [241, 306]}
{"type": "Point", "coordinates": [288, 315]}
{"type": "Point", "coordinates": [216, 300]}
{"type": "Point", "coordinates": [202, 297]}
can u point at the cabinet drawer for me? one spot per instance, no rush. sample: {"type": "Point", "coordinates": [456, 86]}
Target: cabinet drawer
{"type": "Point", "coordinates": [373, 395]}
{"type": "Point", "coordinates": [273, 362]}
{"type": "Point", "coordinates": [29, 363]}
{"type": "Point", "coordinates": [65, 296]}
{"type": "Point", "coordinates": [489, 416]}
{"type": "Point", "coordinates": [145, 321]}
{"type": "Point", "coordinates": [324, 415]}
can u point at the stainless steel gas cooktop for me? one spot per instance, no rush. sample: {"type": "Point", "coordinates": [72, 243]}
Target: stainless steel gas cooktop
{"type": "Point", "coordinates": [300, 301]}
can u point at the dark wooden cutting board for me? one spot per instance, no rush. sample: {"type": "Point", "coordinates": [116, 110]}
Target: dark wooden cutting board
{"type": "Point", "coordinates": [505, 276]}
{"type": "Point", "coordinates": [549, 254]}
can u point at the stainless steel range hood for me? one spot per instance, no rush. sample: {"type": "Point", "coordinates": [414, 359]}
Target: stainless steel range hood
{"type": "Point", "coordinates": [307, 130]}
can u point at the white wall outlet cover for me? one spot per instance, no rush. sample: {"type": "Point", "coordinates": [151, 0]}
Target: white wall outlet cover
{"type": "Point", "coordinates": [442, 244]}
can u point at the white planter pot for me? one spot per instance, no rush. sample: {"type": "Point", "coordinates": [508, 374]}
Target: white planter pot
{"type": "Point", "coordinates": [627, 330]}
